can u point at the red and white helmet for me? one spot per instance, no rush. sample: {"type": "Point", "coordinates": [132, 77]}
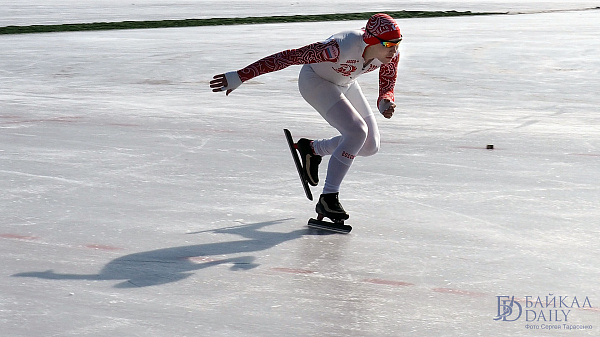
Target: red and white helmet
{"type": "Point", "coordinates": [383, 26]}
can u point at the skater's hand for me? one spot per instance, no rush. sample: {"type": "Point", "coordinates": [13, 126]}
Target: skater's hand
{"type": "Point", "coordinates": [387, 108]}
{"type": "Point", "coordinates": [219, 83]}
{"type": "Point", "coordinates": [390, 111]}
{"type": "Point", "coordinates": [225, 82]}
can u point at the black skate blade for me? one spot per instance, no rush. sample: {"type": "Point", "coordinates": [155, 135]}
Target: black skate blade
{"type": "Point", "coordinates": [329, 226]}
{"type": "Point", "coordinates": [294, 151]}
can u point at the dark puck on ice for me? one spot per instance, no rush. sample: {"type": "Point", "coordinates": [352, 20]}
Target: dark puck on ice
{"type": "Point", "coordinates": [490, 147]}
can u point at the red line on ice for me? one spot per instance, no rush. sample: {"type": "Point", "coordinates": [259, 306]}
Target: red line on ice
{"type": "Point", "coordinates": [389, 282]}
{"type": "Point", "coordinates": [102, 247]}
{"type": "Point", "coordinates": [293, 270]}
{"type": "Point", "coordinates": [458, 292]}
{"type": "Point", "coordinates": [17, 236]}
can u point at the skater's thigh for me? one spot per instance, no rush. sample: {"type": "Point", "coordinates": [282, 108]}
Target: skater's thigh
{"type": "Point", "coordinates": [344, 117]}
{"type": "Point", "coordinates": [358, 100]}
{"type": "Point", "coordinates": [318, 92]}
{"type": "Point", "coordinates": [360, 103]}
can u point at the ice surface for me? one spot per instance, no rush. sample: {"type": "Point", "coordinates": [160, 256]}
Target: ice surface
{"type": "Point", "coordinates": [135, 202]}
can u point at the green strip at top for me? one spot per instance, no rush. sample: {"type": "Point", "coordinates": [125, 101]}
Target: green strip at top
{"type": "Point", "coordinates": [72, 27]}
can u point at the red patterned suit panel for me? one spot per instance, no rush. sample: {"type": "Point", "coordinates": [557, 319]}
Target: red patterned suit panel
{"type": "Point", "coordinates": [313, 53]}
{"type": "Point", "coordinates": [387, 79]}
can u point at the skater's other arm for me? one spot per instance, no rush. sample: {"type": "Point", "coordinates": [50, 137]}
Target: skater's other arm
{"type": "Point", "coordinates": [387, 82]}
{"type": "Point", "coordinates": [312, 53]}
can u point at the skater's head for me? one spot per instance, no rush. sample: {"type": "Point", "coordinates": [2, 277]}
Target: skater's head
{"type": "Point", "coordinates": [382, 29]}
{"type": "Point", "coordinates": [382, 37]}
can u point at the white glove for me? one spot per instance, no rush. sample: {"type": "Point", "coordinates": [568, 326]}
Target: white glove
{"type": "Point", "coordinates": [226, 82]}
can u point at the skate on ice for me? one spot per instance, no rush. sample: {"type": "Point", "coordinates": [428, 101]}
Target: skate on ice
{"type": "Point", "coordinates": [329, 207]}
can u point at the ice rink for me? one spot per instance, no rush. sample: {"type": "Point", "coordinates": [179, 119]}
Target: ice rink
{"type": "Point", "coordinates": [135, 202]}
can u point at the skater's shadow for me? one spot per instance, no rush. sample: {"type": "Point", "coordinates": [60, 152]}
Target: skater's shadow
{"type": "Point", "coordinates": [168, 265]}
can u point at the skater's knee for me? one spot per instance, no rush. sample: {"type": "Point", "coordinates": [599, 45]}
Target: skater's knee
{"type": "Point", "coordinates": [359, 132]}
{"type": "Point", "coordinates": [353, 141]}
{"type": "Point", "coordinates": [371, 145]}
{"type": "Point", "coordinates": [369, 149]}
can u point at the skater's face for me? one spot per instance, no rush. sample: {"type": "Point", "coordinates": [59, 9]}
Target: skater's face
{"type": "Point", "coordinates": [383, 53]}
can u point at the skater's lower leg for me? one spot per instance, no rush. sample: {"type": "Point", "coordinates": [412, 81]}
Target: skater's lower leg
{"type": "Point", "coordinates": [336, 171]}
{"type": "Point", "coordinates": [329, 204]}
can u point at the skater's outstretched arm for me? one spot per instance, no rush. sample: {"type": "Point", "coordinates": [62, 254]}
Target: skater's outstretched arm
{"type": "Point", "coordinates": [327, 51]}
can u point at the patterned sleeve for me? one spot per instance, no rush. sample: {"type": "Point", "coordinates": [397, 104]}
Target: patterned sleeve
{"type": "Point", "coordinates": [387, 79]}
{"type": "Point", "coordinates": [327, 51]}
